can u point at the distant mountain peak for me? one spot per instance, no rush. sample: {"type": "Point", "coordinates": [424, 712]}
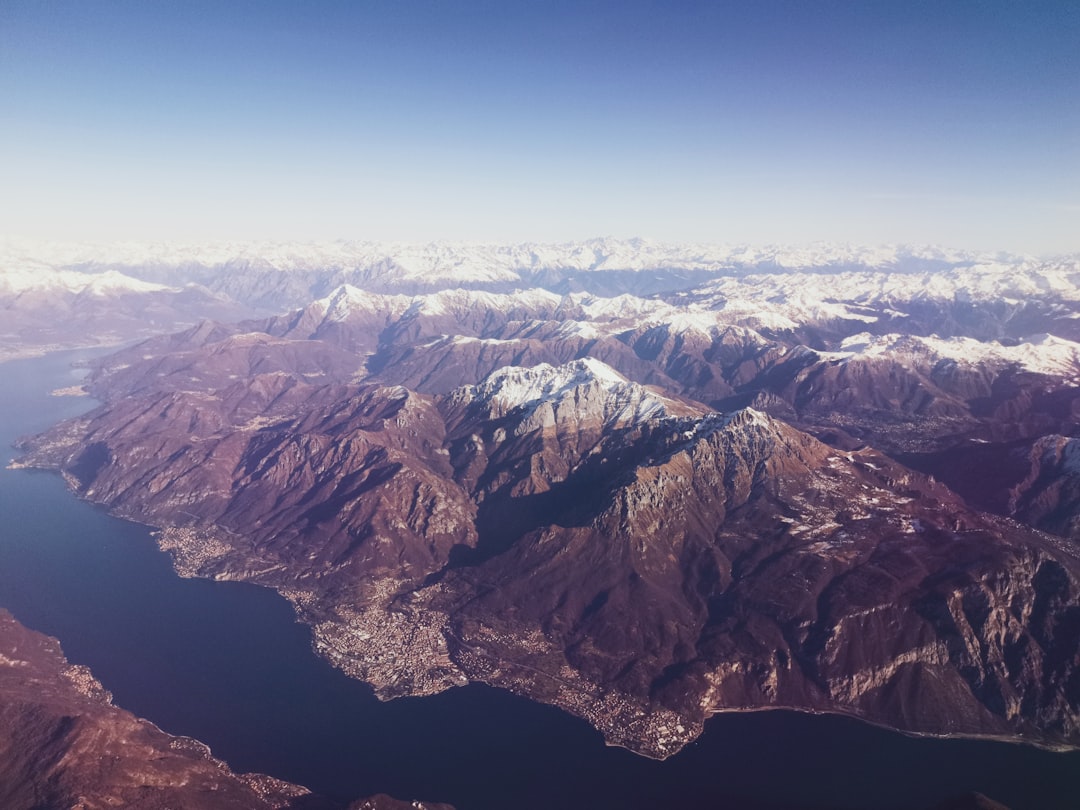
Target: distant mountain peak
{"type": "Point", "coordinates": [347, 300]}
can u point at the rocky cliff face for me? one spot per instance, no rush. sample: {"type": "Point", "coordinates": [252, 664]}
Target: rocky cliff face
{"type": "Point", "coordinates": [63, 744]}
{"type": "Point", "coordinates": [563, 531]}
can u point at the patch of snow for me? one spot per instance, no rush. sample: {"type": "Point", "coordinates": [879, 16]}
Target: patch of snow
{"type": "Point", "coordinates": [461, 340]}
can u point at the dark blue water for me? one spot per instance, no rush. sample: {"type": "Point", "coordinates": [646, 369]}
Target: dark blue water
{"type": "Point", "coordinates": [226, 663]}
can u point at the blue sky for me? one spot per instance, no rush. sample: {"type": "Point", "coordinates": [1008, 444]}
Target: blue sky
{"type": "Point", "coordinates": [869, 121]}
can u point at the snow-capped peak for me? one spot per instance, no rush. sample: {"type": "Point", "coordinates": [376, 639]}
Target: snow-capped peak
{"type": "Point", "coordinates": [585, 388]}
{"type": "Point", "coordinates": [455, 300]}
{"type": "Point", "coordinates": [1042, 354]}
{"type": "Point", "coordinates": [513, 386]}
{"type": "Point", "coordinates": [347, 300]}
{"type": "Point", "coordinates": [109, 282]}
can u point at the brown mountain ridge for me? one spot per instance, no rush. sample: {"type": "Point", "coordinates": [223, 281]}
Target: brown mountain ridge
{"type": "Point", "coordinates": [628, 554]}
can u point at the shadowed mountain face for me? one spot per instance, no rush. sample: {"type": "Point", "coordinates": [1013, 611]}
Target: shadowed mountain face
{"type": "Point", "coordinates": [1035, 481]}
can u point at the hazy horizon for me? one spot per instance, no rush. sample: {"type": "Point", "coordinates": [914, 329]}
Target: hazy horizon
{"type": "Point", "coordinates": [773, 123]}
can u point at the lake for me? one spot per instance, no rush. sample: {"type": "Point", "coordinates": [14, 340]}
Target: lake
{"type": "Point", "coordinates": [227, 663]}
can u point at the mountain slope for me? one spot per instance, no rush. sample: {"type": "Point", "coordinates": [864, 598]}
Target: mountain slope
{"type": "Point", "coordinates": [570, 534]}
{"type": "Point", "coordinates": [642, 482]}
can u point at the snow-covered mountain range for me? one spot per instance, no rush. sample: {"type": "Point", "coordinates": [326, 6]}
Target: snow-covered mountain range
{"type": "Point", "coordinates": [286, 275]}
{"type": "Point", "coordinates": [704, 478]}
{"type": "Point", "coordinates": [553, 303]}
